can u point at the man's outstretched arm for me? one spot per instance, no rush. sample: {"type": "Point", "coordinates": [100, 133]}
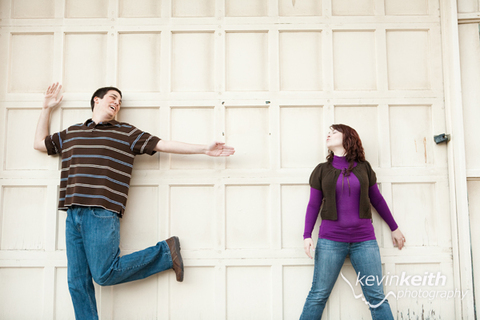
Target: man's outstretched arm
{"type": "Point", "coordinates": [216, 149]}
{"type": "Point", "coordinates": [50, 101]}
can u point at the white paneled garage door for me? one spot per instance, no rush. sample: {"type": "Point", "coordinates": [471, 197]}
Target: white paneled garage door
{"type": "Point", "coordinates": [268, 77]}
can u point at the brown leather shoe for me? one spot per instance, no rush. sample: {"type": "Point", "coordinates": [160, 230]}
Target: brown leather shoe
{"type": "Point", "coordinates": [174, 245]}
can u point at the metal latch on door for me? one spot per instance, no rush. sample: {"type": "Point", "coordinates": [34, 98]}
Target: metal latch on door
{"type": "Point", "coordinates": [441, 138]}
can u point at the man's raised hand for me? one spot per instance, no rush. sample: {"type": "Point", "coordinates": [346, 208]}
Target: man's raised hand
{"type": "Point", "coordinates": [52, 98]}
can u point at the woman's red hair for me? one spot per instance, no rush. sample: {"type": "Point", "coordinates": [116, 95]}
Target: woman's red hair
{"type": "Point", "coordinates": [351, 143]}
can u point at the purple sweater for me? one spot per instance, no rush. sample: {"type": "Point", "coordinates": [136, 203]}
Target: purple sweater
{"type": "Point", "coordinates": [348, 227]}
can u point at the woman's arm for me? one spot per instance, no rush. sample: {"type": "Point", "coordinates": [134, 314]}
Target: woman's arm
{"type": "Point", "coordinates": [381, 206]}
{"type": "Point", "coordinates": [311, 216]}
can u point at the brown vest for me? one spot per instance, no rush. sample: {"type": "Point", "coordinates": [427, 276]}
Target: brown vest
{"type": "Point", "coordinates": [324, 178]}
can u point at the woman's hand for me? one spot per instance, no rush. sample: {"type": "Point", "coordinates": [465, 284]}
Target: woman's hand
{"type": "Point", "coordinates": [309, 247]}
{"type": "Point", "coordinates": [398, 238]}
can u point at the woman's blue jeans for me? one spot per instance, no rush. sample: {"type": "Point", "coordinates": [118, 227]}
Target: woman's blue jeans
{"type": "Point", "coordinates": [329, 258]}
{"type": "Point", "coordinates": [93, 238]}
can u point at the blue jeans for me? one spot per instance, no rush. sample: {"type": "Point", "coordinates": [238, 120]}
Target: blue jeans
{"type": "Point", "coordinates": [329, 258]}
{"type": "Point", "coordinates": [93, 238]}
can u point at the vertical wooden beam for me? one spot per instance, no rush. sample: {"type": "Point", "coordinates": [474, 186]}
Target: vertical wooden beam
{"type": "Point", "coordinates": [462, 258]}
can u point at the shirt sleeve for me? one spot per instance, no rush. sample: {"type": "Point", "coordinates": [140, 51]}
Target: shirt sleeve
{"type": "Point", "coordinates": [54, 142]}
{"type": "Point", "coordinates": [144, 142]}
{"type": "Point", "coordinates": [313, 209]}
{"type": "Point", "coordinates": [381, 206]}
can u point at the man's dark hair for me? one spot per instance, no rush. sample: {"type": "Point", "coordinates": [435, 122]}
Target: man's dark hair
{"type": "Point", "coordinates": [101, 93]}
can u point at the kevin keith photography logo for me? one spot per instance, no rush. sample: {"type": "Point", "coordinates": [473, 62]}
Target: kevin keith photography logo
{"type": "Point", "coordinates": [409, 286]}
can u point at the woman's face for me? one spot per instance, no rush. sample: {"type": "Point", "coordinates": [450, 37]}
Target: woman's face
{"type": "Point", "coordinates": [334, 139]}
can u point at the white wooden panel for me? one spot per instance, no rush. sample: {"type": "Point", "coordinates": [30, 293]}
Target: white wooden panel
{"type": "Point", "coordinates": [364, 119]}
{"type": "Point", "coordinates": [248, 130]}
{"type": "Point", "coordinates": [72, 116]}
{"type": "Point", "coordinates": [139, 225]}
{"type": "Point", "coordinates": [200, 123]}
{"type": "Point", "coordinates": [300, 60]}
{"type": "Point", "coordinates": [474, 213]}
{"type": "Point", "coordinates": [443, 226]}
{"type": "Point", "coordinates": [300, 8]}
{"type": "Point", "coordinates": [470, 59]}
{"type": "Point", "coordinates": [146, 119]}
{"type": "Point", "coordinates": [248, 264]}
{"type": "Point", "coordinates": [406, 7]}
{"type": "Point", "coordinates": [353, 7]}
{"type": "Point", "coordinates": [249, 293]}
{"type": "Point", "coordinates": [135, 300]}
{"type": "Point", "coordinates": [294, 204]}
{"type": "Point", "coordinates": [416, 299]}
{"type": "Point", "coordinates": [193, 217]}
{"type": "Point", "coordinates": [421, 230]}
{"type": "Point", "coordinates": [246, 8]}
{"type": "Point", "coordinates": [193, 61]}
{"type": "Point", "coordinates": [469, 50]}
{"type": "Point", "coordinates": [246, 65]}
{"type": "Point", "coordinates": [139, 61]}
{"type": "Point", "coordinates": [86, 9]}
{"type": "Point", "coordinates": [187, 8]}
{"type": "Point", "coordinates": [247, 217]}
{"type": "Point", "coordinates": [31, 62]}
{"type": "Point", "coordinates": [194, 298]}
{"type": "Point", "coordinates": [297, 281]}
{"type": "Point", "coordinates": [44, 9]}
{"type": "Point", "coordinates": [60, 239]}
{"type": "Point", "coordinates": [468, 6]}
{"type": "Point", "coordinates": [354, 60]}
{"type": "Point", "coordinates": [63, 302]}
{"type": "Point", "coordinates": [91, 73]}
{"type": "Point", "coordinates": [20, 154]}
{"type": "Point", "coordinates": [407, 59]}
{"type": "Point", "coordinates": [139, 9]}
{"type": "Point", "coordinates": [302, 146]}
{"type": "Point", "coordinates": [411, 136]}
{"type": "Point", "coordinates": [23, 222]}
{"type": "Point", "coordinates": [21, 293]}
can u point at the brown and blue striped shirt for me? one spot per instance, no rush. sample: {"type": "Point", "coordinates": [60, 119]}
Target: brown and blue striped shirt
{"type": "Point", "coordinates": [97, 162]}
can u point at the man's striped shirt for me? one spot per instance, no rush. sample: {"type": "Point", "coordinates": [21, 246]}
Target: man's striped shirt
{"type": "Point", "coordinates": [97, 162]}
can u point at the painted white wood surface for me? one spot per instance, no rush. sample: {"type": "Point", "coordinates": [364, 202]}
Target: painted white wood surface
{"type": "Point", "coordinates": [268, 77]}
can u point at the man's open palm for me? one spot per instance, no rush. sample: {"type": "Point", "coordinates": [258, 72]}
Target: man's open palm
{"type": "Point", "coordinates": [52, 99]}
{"type": "Point", "coordinates": [219, 149]}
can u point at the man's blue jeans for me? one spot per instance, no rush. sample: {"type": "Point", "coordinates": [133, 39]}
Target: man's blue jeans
{"type": "Point", "coordinates": [93, 238]}
{"type": "Point", "coordinates": [329, 258]}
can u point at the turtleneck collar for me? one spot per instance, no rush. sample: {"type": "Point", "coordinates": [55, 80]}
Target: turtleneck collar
{"type": "Point", "coordinates": [339, 162]}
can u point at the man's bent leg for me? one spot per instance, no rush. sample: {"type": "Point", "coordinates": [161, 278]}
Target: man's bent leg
{"type": "Point", "coordinates": [102, 239]}
{"type": "Point", "coordinates": [80, 282]}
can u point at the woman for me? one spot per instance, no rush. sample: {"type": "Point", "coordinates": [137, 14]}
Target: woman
{"type": "Point", "coordinates": [342, 189]}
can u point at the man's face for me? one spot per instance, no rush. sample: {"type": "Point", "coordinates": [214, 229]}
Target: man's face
{"type": "Point", "coordinates": [109, 105]}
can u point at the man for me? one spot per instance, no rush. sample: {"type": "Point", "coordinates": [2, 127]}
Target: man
{"type": "Point", "coordinates": [97, 161]}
